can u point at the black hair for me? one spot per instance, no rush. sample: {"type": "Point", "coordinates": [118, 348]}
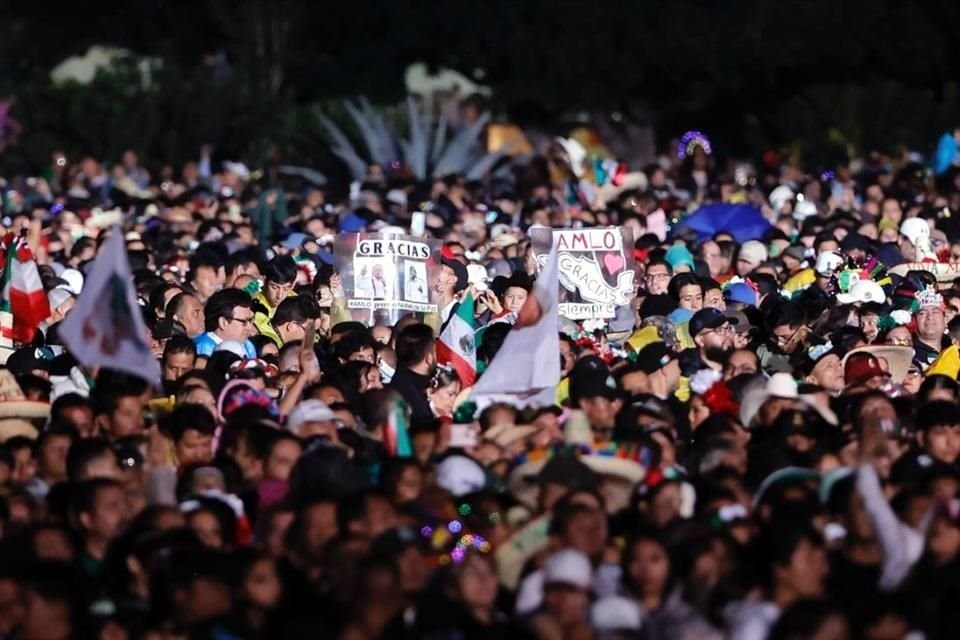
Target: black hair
{"type": "Point", "coordinates": [783, 312]}
{"type": "Point", "coordinates": [937, 413]}
{"type": "Point", "coordinates": [414, 342]}
{"type": "Point", "coordinates": [83, 495]}
{"type": "Point", "coordinates": [221, 305]}
{"type": "Point", "coordinates": [82, 452]}
{"type": "Point", "coordinates": [354, 342]}
{"type": "Point", "coordinates": [222, 513]}
{"type": "Point", "coordinates": [34, 386]}
{"type": "Point", "coordinates": [777, 544]}
{"type": "Point", "coordinates": [680, 281]}
{"type": "Point", "coordinates": [289, 310]}
{"type": "Point", "coordinates": [354, 507]}
{"type": "Point", "coordinates": [186, 417]}
{"type": "Point", "coordinates": [178, 344]}
{"type": "Point", "coordinates": [936, 382]}
{"type": "Point", "coordinates": [111, 387]}
{"type": "Point", "coordinates": [242, 258]}
{"type": "Point", "coordinates": [281, 270]}
{"type": "Point", "coordinates": [157, 295]}
{"type": "Point", "coordinates": [803, 619]}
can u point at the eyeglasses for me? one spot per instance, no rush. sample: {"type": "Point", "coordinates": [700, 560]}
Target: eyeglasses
{"type": "Point", "coordinates": [786, 339]}
{"type": "Point", "coordinates": [724, 330]}
{"type": "Point", "coordinates": [656, 276]}
{"type": "Point", "coordinates": [243, 321]}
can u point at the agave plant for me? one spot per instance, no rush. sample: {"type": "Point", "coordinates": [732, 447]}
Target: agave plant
{"type": "Point", "coordinates": [425, 151]}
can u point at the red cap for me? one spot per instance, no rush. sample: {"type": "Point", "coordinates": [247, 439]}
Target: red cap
{"type": "Point", "coordinates": [861, 367]}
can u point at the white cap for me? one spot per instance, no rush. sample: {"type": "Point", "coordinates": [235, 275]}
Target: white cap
{"type": "Point", "coordinates": [237, 168]}
{"type": "Point", "coordinates": [233, 347]}
{"type": "Point", "coordinates": [309, 411]}
{"type": "Point", "coordinates": [57, 296]}
{"type": "Point", "coordinates": [863, 291]}
{"type": "Point", "coordinates": [616, 613]}
{"type": "Point", "coordinates": [914, 229]}
{"type": "Point", "coordinates": [828, 262]}
{"type": "Point", "coordinates": [804, 209]}
{"type": "Point", "coordinates": [782, 385]}
{"type": "Point", "coordinates": [568, 567]}
{"type": "Point", "coordinates": [753, 252]}
{"type": "Point", "coordinates": [460, 475]}
{"type": "Point", "coordinates": [74, 280]}
{"type": "Point", "coordinates": [780, 196]}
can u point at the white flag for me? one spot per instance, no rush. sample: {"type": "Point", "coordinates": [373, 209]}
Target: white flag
{"type": "Point", "coordinates": [526, 370]}
{"type": "Point", "coordinates": [106, 328]}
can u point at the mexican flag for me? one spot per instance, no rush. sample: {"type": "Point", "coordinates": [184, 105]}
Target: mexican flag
{"type": "Point", "coordinates": [396, 437]}
{"type": "Point", "coordinates": [457, 345]}
{"type": "Point", "coordinates": [23, 294]}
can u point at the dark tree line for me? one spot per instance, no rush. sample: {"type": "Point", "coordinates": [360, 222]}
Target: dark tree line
{"type": "Point", "coordinates": [822, 75]}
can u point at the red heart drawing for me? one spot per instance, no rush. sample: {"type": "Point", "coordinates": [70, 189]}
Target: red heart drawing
{"type": "Point", "coordinates": [613, 262]}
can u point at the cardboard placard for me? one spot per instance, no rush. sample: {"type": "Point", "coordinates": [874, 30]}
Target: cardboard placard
{"type": "Point", "coordinates": [596, 268]}
{"type": "Point", "coordinates": [385, 275]}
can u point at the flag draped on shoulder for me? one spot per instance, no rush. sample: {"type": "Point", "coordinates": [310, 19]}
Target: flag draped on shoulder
{"type": "Point", "coordinates": [457, 344]}
{"type": "Point", "coordinates": [106, 328]}
{"type": "Point", "coordinates": [526, 370]}
{"type": "Point", "coordinates": [23, 294]}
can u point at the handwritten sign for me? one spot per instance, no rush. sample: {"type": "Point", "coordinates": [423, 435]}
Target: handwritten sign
{"type": "Point", "coordinates": [596, 269]}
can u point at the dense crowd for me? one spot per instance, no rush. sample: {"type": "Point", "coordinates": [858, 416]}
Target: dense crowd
{"type": "Point", "coordinates": [764, 443]}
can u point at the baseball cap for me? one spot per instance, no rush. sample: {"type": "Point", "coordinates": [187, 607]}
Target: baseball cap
{"type": "Point", "coordinates": [460, 475]}
{"type": "Point", "coordinates": [28, 359]}
{"type": "Point", "coordinates": [738, 319]}
{"type": "Point", "coordinates": [827, 263]}
{"type": "Point", "coordinates": [460, 270]}
{"type": "Point", "coordinates": [678, 255]}
{"type": "Point", "coordinates": [753, 252]}
{"type": "Point", "coordinates": [654, 357]}
{"type": "Point", "coordinates": [708, 318]}
{"type": "Point", "coordinates": [309, 411]}
{"type": "Point", "coordinates": [796, 252]}
{"type": "Point", "coordinates": [914, 229]}
{"type": "Point", "coordinates": [741, 292]}
{"type": "Point", "coordinates": [616, 613]}
{"type": "Point", "coordinates": [569, 567]}
{"type": "Point", "coordinates": [863, 291]}
{"type": "Point", "coordinates": [804, 209]}
{"type": "Point", "coordinates": [592, 378]}
{"type": "Point", "coordinates": [861, 367]}
{"type": "Point", "coordinates": [57, 296]}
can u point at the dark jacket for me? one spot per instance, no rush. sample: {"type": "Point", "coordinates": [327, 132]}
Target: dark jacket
{"type": "Point", "coordinates": [413, 387]}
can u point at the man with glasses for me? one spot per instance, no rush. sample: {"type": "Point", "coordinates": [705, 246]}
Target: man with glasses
{"type": "Point", "coordinates": [657, 277]}
{"type": "Point", "coordinates": [712, 333]}
{"type": "Point", "coordinates": [228, 315]}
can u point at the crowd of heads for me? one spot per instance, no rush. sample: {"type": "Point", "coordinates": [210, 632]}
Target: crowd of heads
{"type": "Point", "coordinates": [764, 443]}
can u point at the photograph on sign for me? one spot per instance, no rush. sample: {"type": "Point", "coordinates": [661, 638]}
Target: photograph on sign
{"type": "Point", "coordinates": [387, 275]}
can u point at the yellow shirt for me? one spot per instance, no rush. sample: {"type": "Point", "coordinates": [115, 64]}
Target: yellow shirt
{"type": "Point", "coordinates": [947, 363]}
{"type": "Point", "coordinates": [800, 280]}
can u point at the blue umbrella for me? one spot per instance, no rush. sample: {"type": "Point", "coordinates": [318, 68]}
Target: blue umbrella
{"type": "Point", "coordinates": [742, 221]}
